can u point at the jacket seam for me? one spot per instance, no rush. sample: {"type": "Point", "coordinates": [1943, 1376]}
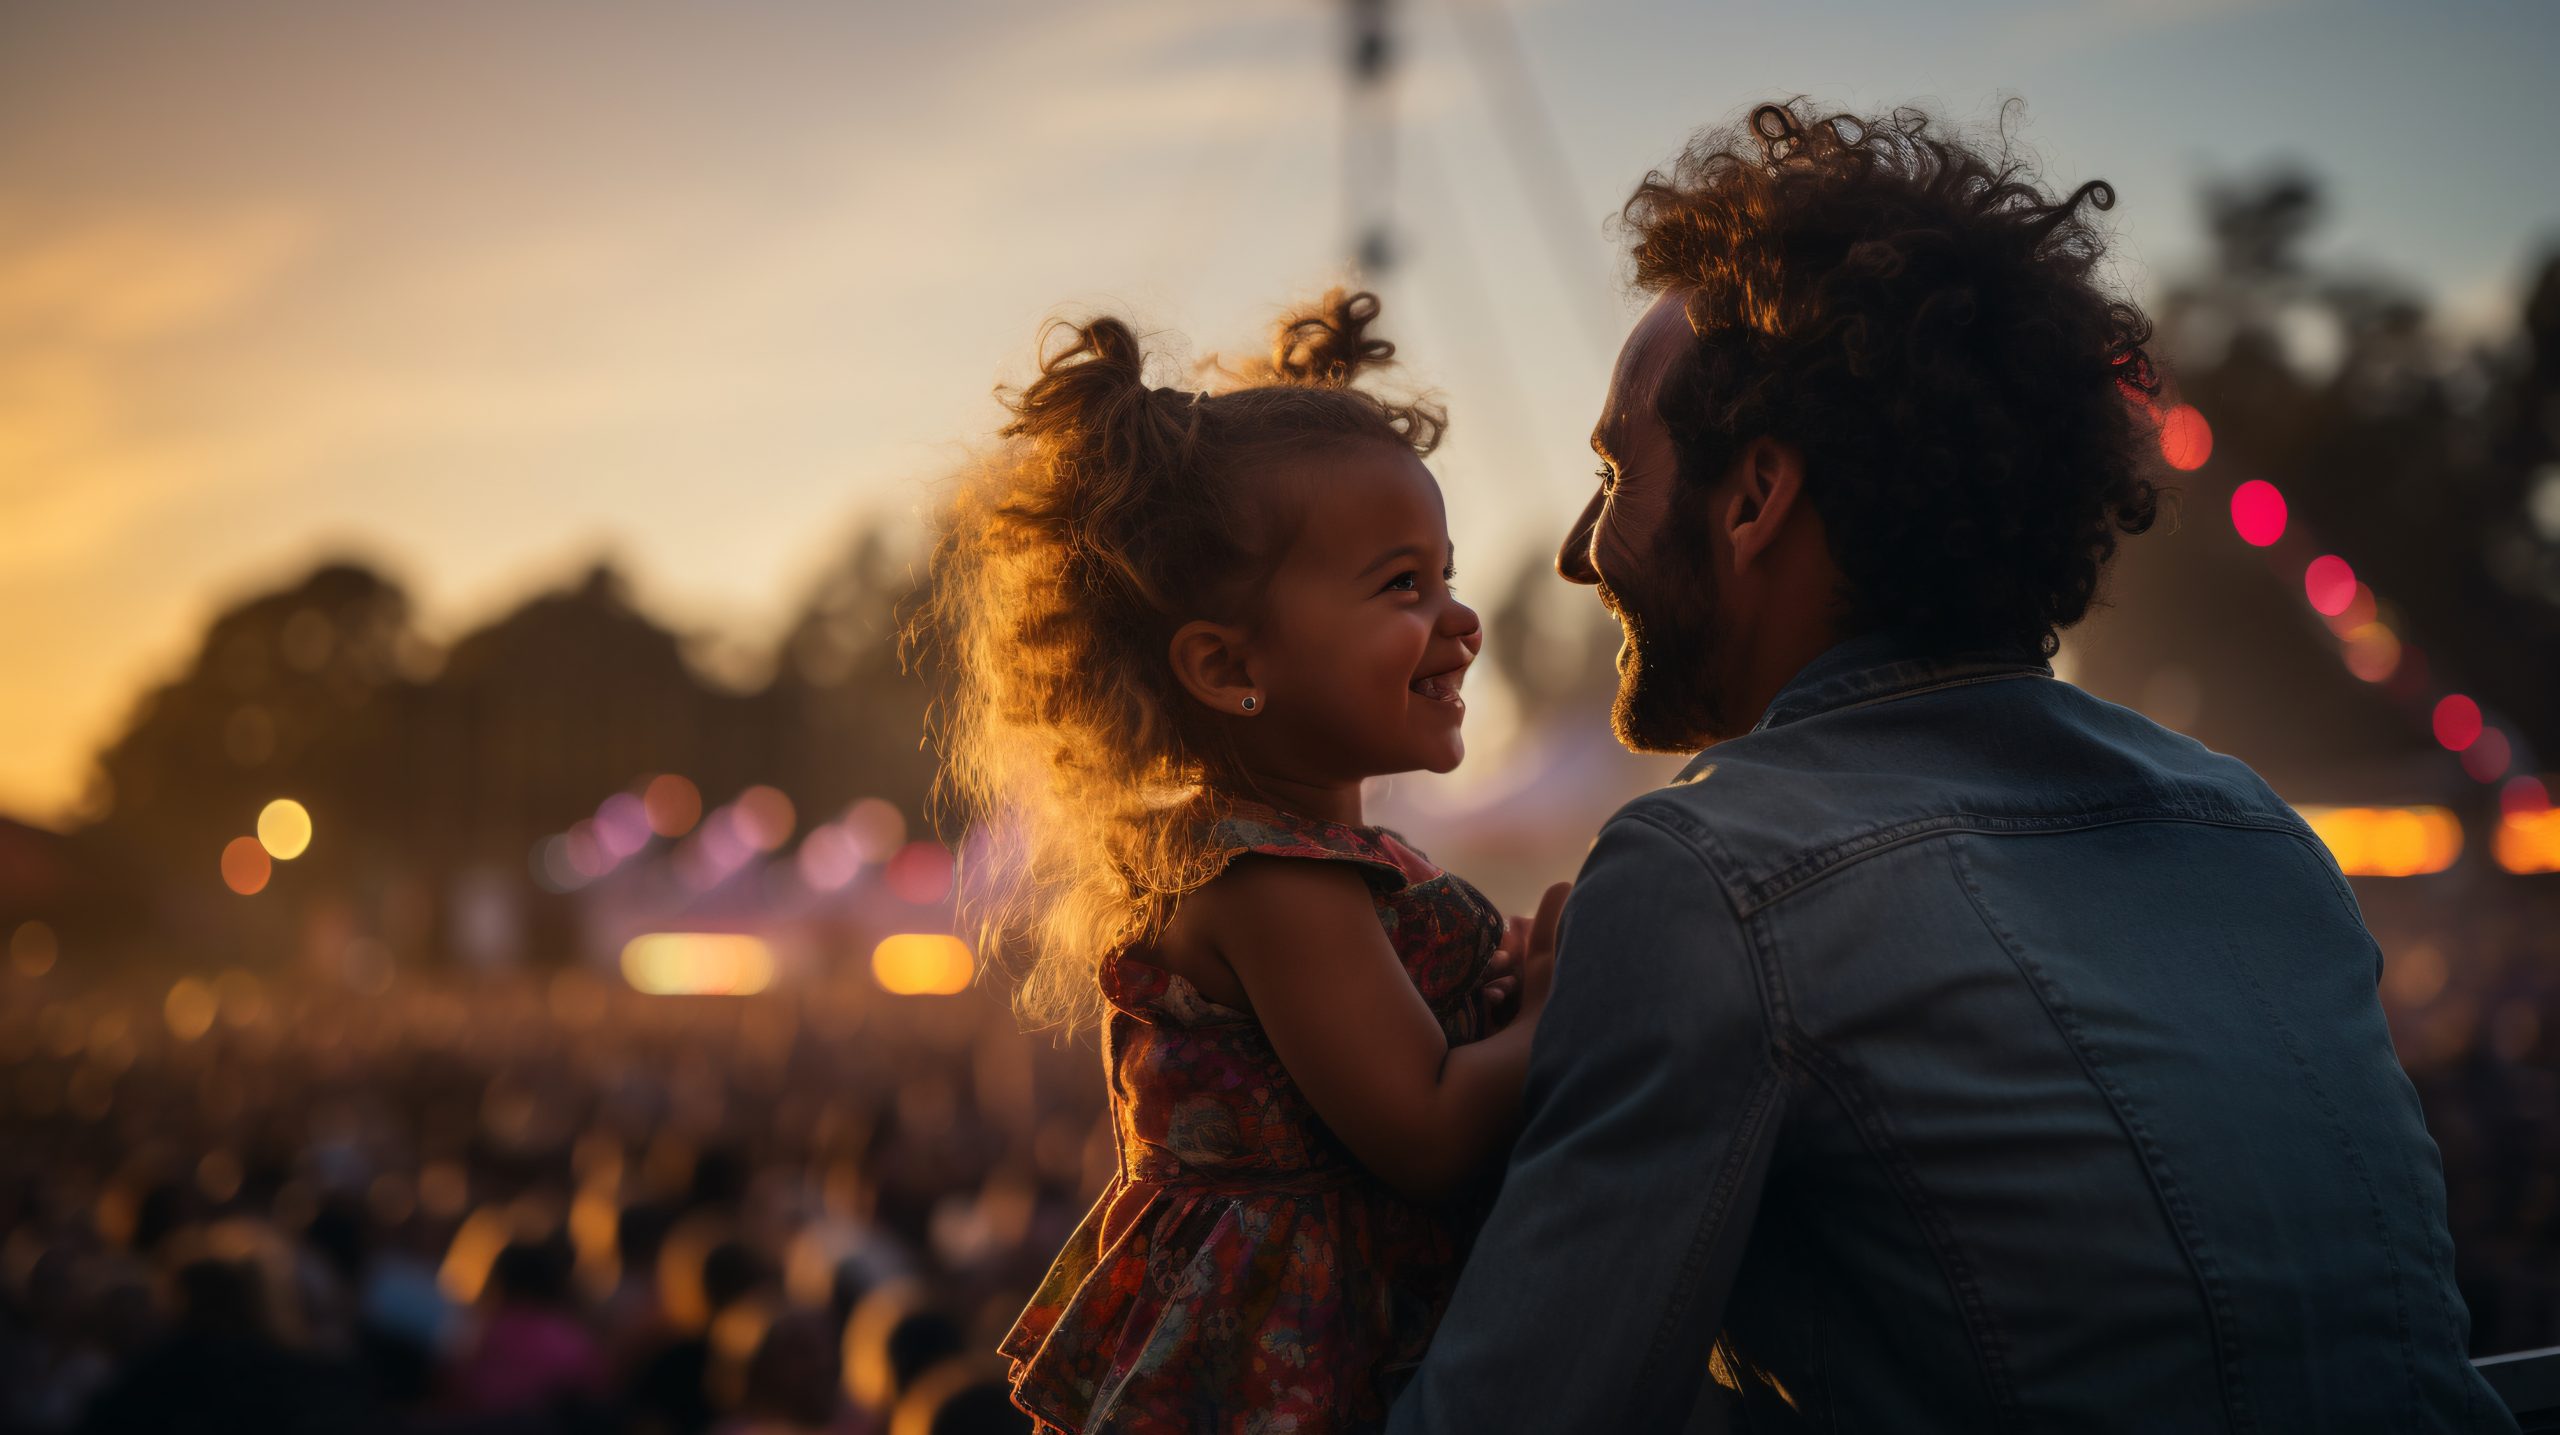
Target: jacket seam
{"type": "Point", "coordinates": [1818, 865]}
{"type": "Point", "coordinates": [1711, 1222]}
{"type": "Point", "coordinates": [1973, 1310]}
{"type": "Point", "coordinates": [1764, 1097]}
{"type": "Point", "coordinates": [1897, 694]}
{"type": "Point", "coordinates": [2364, 1177]}
{"type": "Point", "coordinates": [2455, 1336]}
{"type": "Point", "coordinates": [1793, 1046]}
{"type": "Point", "coordinates": [2201, 1263]}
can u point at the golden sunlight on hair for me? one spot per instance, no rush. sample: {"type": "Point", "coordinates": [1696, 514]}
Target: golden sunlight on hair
{"type": "Point", "coordinates": [1114, 511]}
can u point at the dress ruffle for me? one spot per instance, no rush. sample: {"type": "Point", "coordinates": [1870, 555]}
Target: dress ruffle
{"type": "Point", "coordinates": [1158, 1321]}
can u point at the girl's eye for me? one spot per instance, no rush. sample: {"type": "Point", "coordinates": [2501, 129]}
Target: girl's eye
{"type": "Point", "coordinates": [1410, 580]}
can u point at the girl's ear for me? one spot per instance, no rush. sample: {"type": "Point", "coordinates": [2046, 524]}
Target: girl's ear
{"type": "Point", "coordinates": [1209, 660]}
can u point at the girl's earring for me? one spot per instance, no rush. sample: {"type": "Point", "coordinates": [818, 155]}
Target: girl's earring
{"type": "Point", "coordinates": [1251, 702]}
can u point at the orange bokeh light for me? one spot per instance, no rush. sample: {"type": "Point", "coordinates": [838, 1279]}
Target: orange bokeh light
{"type": "Point", "coordinates": [2373, 652]}
{"type": "Point", "coordinates": [2388, 841]}
{"type": "Point", "coordinates": [673, 803]}
{"type": "Point", "coordinates": [2186, 440]}
{"type": "Point", "coordinates": [2529, 841]}
{"type": "Point", "coordinates": [922, 964]}
{"type": "Point", "coordinates": [246, 866]}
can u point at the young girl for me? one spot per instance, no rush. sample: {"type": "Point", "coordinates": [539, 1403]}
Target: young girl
{"type": "Point", "coordinates": [1181, 627]}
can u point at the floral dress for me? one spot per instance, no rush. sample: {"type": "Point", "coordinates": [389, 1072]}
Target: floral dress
{"type": "Point", "coordinates": [1241, 1271]}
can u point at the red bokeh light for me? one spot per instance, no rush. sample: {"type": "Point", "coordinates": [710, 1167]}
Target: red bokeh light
{"type": "Point", "coordinates": [920, 873]}
{"type": "Point", "coordinates": [2186, 440]}
{"type": "Point", "coordinates": [2457, 722]}
{"type": "Point", "coordinates": [2361, 610]}
{"type": "Point", "coordinates": [2523, 795]}
{"type": "Point", "coordinates": [2330, 584]}
{"type": "Point", "coordinates": [2487, 757]}
{"type": "Point", "coordinates": [2258, 512]}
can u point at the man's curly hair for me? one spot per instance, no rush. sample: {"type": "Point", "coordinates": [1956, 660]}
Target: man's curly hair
{"type": "Point", "coordinates": [1922, 322]}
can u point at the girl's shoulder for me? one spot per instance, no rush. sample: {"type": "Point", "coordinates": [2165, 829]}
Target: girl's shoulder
{"type": "Point", "coordinates": [1242, 828]}
{"type": "Point", "coordinates": [1179, 972]}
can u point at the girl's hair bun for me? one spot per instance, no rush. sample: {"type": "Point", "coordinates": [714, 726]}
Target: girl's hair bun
{"type": "Point", "coordinates": [1092, 409]}
{"type": "Point", "coordinates": [1326, 343]}
{"type": "Point", "coordinates": [1096, 377]}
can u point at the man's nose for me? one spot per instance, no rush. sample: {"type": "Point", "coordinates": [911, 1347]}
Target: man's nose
{"type": "Point", "coordinates": [1573, 560]}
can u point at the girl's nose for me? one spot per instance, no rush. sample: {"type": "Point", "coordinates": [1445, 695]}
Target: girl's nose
{"type": "Point", "coordinates": [1461, 622]}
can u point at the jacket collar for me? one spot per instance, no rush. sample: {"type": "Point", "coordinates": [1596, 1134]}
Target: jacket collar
{"type": "Point", "coordinates": [1873, 667]}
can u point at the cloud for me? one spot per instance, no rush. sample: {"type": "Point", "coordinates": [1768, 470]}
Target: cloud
{"type": "Point", "coordinates": [86, 306]}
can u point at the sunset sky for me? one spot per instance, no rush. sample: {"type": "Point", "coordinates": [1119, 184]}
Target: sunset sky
{"type": "Point", "coordinates": [481, 291]}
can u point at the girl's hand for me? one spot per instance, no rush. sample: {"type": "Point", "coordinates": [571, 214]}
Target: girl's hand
{"type": "Point", "coordinates": [1498, 998]}
{"type": "Point", "coordinates": [1538, 955]}
{"type": "Point", "coordinates": [1494, 999]}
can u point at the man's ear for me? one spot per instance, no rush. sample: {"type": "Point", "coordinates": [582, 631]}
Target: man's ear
{"type": "Point", "coordinates": [1210, 662]}
{"type": "Point", "coordinates": [1768, 492]}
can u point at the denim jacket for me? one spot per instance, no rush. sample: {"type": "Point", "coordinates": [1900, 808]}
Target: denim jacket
{"type": "Point", "coordinates": [1959, 1052]}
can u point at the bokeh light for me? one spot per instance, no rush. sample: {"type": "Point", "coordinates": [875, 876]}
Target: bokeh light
{"type": "Point", "coordinates": [2388, 841]}
{"type": "Point", "coordinates": [922, 964]}
{"type": "Point", "coordinates": [2457, 722]}
{"type": "Point", "coordinates": [877, 827]}
{"type": "Point", "coordinates": [189, 1009]}
{"type": "Point", "coordinates": [584, 846]}
{"type": "Point", "coordinates": [827, 859]}
{"type": "Point", "coordinates": [2186, 440]}
{"type": "Point", "coordinates": [2487, 757]}
{"type": "Point", "coordinates": [921, 873]}
{"type": "Point", "coordinates": [552, 867]}
{"type": "Point", "coordinates": [763, 817]}
{"type": "Point", "coordinates": [697, 964]}
{"type": "Point", "coordinates": [246, 866]}
{"type": "Point", "coordinates": [2524, 794]}
{"type": "Point", "coordinates": [284, 829]}
{"type": "Point", "coordinates": [2330, 584]}
{"type": "Point", "coordinates": [33, 949]}
{"type": "Point", "coordinates": [673, 804]}
{"type": "Point", "coordinates": [2415, 975]}
{"type": "Point", "coordinates": [2528, 842]}
{"type": "Point", "coordinates": [2361, 609]}
{"type": "Point", "coordinates": [622, 824]}
{"type": "Point", "coordinates": [2258, 513]}
{"type": "Point", "coordinates": [2373, 652]}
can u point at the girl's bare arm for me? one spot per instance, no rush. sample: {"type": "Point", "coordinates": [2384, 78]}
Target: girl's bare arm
{"type": "Point", "coordinates": [1303, 940]}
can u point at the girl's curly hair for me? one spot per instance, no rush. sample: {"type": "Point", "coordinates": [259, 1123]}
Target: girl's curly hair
{"type": "Point", "coordinates": [1924, 324]}
{"type": "Point", "coordinates": [1114, 512]}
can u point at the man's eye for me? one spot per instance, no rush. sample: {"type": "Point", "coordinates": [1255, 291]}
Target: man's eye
{"type": "Point", "coordinates": [1608, 478]}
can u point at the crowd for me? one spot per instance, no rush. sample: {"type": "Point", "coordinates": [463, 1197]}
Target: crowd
{"type": "Point", "coordinates": [2474, 1000]}
{"type": "Point", "coordinates": [532, 1205]}
{"type": "Point", "coordinates": [525, 1206]}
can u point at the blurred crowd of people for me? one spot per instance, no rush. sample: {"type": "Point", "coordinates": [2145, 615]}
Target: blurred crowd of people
{"type": "Point", "coordinates": [2474, 1002]}
{"type": "Point", "coordinates": [525, 1206]}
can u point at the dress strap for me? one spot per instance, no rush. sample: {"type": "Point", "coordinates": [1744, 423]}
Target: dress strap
{"type": "Point", "coordinates": [1252, 827]}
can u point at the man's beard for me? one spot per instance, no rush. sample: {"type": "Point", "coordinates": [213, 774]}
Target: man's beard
{"type": "Point", "coordinates": [1669, 699]}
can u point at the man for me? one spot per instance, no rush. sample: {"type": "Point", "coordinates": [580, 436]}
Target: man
{"type": "Point", "coordinates": [1946, 1049]}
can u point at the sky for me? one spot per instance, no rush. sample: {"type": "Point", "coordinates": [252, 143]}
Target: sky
{"type": "Point", "coordinates": [480, 292]}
